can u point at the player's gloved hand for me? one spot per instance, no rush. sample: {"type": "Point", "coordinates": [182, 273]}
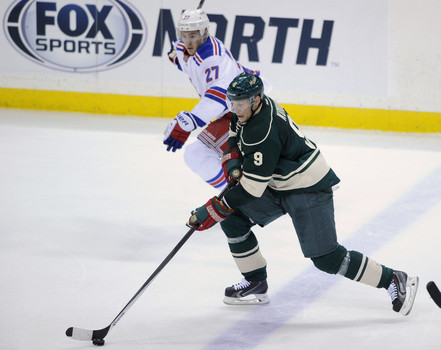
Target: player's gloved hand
{"type": "Point", "coordinates": [172, 55]}
{"type": "Point", "coordinates": [232, 164]}
{"type": "Point", "coordinates": [212, 212]}
{"type": "Point", "coordinates": [178, 131]}
{"type": "Point", "coordinates": [175, 136]}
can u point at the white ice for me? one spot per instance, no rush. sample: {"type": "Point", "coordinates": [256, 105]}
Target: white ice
{"type": "Point", "coordinates": [91, 205]}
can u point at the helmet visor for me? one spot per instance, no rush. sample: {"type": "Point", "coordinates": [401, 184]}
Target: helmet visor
{"type": "Point", "coordinates": [187, 36]}
{"type": "Point", "coordinates": [238, 106]}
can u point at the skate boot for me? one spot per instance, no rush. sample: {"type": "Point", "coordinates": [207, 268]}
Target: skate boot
{"type": "Point", "coordinates": [247, 293]}
{"type": "Point", "coordinates": [402, 291]}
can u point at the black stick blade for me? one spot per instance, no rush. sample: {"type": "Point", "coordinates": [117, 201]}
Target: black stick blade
{"type": "Point", "coordinates": [434, 293]}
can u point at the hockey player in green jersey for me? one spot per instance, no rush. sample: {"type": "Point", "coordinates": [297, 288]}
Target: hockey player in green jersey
{"type": "Point", "coordinates": [279, 171]}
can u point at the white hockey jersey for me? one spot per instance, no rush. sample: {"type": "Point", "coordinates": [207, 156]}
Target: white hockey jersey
{"type": "Point", "coordinates": [211, 69]}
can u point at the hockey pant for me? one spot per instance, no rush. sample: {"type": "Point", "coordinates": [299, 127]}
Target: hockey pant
{"type": "Point", "coordinates": [203, 156]}
{"type": "Point", "coordinates": [312, 215]}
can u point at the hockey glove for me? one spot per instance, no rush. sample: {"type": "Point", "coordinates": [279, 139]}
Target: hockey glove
{"type": "Point", "coordinates": [231, 164]}
{"type": "Point", "coordinates": [178, 131]}
{"type": "Point", "coordinates": [212, 212]}
{"type": "Point", "coordinates": [172, 55]}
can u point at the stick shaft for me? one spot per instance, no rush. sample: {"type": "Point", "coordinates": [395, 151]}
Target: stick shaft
{"type": "Point", "coordinates": [84, 334]}
{"type": "Point", "coordinates": [164, 262]}
{"type": "Point", "coordinates": [201, 3]}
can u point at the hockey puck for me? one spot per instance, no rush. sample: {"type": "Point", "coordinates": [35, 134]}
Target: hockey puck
{"type": "Point", "coordinates": [434, 293]}
{"type": "Point", "coordinates": [98, 342]}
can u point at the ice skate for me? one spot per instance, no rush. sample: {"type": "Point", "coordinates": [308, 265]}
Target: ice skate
{"type": "Point", "coordinates": [402, 291]}
{"type": "Point", "coordinates": [247, 293]}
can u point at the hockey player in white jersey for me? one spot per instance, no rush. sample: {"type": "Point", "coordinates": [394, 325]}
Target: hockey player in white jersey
{"type": "Point", "coordinates": [210, 68]}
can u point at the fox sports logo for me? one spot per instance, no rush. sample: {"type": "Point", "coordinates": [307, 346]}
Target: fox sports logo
{"type": "Point", "coordinates": [75, 35]}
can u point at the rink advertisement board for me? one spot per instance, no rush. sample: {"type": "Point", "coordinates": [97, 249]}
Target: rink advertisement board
{"type": "Point", "coordinates": [311, 52]}
{"type": "Point", "coordinates": [306, 46]}
{"type": "Point", "coordinates": [81, 36]}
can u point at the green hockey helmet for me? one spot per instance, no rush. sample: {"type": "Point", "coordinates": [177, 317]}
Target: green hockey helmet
{"type": "Point", "coordinates": [245, 86]}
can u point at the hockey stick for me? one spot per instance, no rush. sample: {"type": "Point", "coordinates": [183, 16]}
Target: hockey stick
{"type": "Point", "coordinates": [201, 3]}
{"type": "Point", "coordinates": [97, 336]}
{"type": "Point", "coordinates": [434, 293]}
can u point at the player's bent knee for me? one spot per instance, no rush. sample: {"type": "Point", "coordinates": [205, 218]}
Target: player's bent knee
{"type": "Point", "coordinates": [235, 225]}
{"type": "Point", "coordinates": [331, 262]}
{"type": "Point", "coordinates": [192, 157]}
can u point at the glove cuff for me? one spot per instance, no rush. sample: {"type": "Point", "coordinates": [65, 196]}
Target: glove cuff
{"type": "Point", "coordinates": [231, 163]}
{"type": "Point", "coordinates": [217, 210]}
{"type": "Point", "coordinates": [222, 207]}
{"type": "Point", "coordinates": [186, 121]}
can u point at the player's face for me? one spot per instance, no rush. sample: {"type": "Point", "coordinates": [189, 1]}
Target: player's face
{"type": "Point", "coordinates": [192, 40]}
{"type": "Point", "coordinates": [242, 108]}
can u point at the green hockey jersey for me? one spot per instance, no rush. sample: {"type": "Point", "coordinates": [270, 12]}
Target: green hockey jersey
{"type": "Point", "coordinates": [276, 154]}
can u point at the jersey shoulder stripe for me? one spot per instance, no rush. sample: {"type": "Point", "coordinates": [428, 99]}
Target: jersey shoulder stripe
{"type": "Point", "coordinates": [217, 48]}
{"type": "Point", "coordinates": [197, 59]}
{"type": "Point", "coordinates": [180, 46]}
{"type": "Point", "coordinates": [211, 47]}
{"type": "Point", "coordinates": [220, 90]}
{"type": "Point", "coordinates": [217, 94]}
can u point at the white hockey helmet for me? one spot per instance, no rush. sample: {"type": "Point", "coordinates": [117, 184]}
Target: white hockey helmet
{"type": "Point", "coordinates": [193, 20]}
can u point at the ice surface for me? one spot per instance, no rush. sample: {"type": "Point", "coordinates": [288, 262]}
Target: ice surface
{"type": "Point", "coordinates": [91, 205]}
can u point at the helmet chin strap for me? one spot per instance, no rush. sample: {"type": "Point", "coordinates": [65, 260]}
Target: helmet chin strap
{"type": "Point", "coordinates": [258, 106]}
{"type": "Point", "coordinates": [252, 113]}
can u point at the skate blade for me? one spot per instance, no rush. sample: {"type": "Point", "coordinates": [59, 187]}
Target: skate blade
{"type": "Point", "coordinates": [252, 299]}
{"type": "Point", "coordinates": [411, 290]}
